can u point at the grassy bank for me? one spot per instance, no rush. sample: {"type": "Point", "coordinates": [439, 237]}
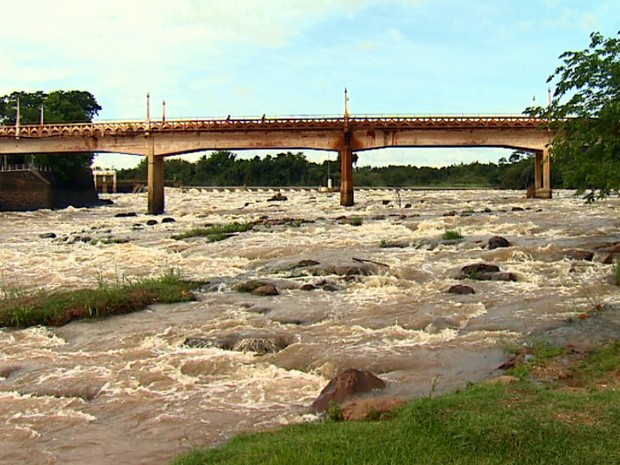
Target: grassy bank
{"type": "Point", "coordinates": [571, 418]}
{"type": "Point", "coordinates": [60, 307]}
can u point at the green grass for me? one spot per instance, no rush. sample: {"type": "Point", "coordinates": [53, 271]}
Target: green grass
{"type": "Point", "coordinates": [215, 233]}
{"type": "Point", "coordinates": [451, 234]}
{"type": "Point", "coordinates": [60, 307]}
{"type": "Point", "coordinates": [484, 425]}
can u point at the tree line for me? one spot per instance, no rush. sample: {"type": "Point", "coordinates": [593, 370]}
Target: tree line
{"type": "Point", "coordinates": [224, 168]}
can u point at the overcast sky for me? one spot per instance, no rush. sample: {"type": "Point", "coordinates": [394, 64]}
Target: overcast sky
{"type": "Point", "coordinates": [291, 57]}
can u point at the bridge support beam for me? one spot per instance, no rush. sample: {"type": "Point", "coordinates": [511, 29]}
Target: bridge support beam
{"type": "Point", "coordinates": [542, 175]}
{"type": "Point", "coordinates": [155, 179]}
{"type": "Point", "coordinates": [346, 174]}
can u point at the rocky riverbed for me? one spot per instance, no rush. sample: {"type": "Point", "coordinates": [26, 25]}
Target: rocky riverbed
{"type": "Point", "coordinates": [308, 290]}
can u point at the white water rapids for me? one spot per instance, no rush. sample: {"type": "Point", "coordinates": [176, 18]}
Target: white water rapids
{"type": "Point", "coordinates": [125, 390]}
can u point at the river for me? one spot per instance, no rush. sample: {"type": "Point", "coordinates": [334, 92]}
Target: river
{"type": "Point", "coordinates": [126, 390]}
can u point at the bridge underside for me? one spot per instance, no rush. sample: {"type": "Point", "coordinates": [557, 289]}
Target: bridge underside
{"type": "Point", "coordinates": [347, 139]}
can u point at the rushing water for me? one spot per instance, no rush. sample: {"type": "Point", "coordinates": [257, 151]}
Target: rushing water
{"type": "Point", "coordinates": [125, 390]}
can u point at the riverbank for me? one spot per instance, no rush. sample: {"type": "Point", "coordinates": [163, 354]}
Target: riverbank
{"type": "Point", "coordinates": [563, 408]}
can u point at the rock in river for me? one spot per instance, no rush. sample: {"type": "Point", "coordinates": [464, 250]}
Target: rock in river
{"type": "Point", "coordinates": [345, 385]}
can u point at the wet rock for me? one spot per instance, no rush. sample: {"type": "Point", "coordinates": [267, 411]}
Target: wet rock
{"type": "Point", "coordinates": [469, 270]}
{"type": "Point", "coordinates": [106, 201]}
{"type": "Point", "coordinates": [371, 409]}
{"type": "Point", "coordinates": [258, 344]}
{"type": "Point", "coordinates": [576, 254]}
{"type": "Point", "coordinates": [277, 198]}
{"type": "Point", "coordinates": [168, 219]}
{"type": "Point", "coordinates": [137, 227]}
{"type": "Point", "coordinates": [497, 242]}
{"type": "Point", "coordinates": [345, 385]}
{"type": "Point", "coordinates": [266, 290]}
{"type": "Point", "coordinates": [393, 244]}
{"type": "Point", "coordinates": [151, 222]}
{"type": "Point", "coordinates": [517, 209]}
{"type": "Point", "coordinates": [50, 235]}
{"type": "Point", "coordinates": [407, 205]}
{"type": "Point", "coordinates": [450, 213]}
{"type": "Point", "coordinates": [8, 370]}
{"type": "Point", "coordinates": [304, 264]}
{"type": "Point", "coordinates": [485, 272]}
{"type": "Point", "coordinates": [125, 215]}
{"type": "Point", "coordinates": [308, 287]}
{"type": "Point", "coordinates": [249, 286]}
{"type": "Point", "coordinates": [261, 345]}
{"type": "Point", "coordinates": [385, 202]}
{"type": "Point", "coordinates": [461, 289]}
{"type": "Point", "coordinates": [344, 270]}
{"type": "Point", "coordinates": [199, 343]}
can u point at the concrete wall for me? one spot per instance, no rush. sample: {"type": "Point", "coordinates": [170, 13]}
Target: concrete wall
{"type": "Point", "coordinates": [24, 190]}
{"type": "Point", "coordinates": [27, 190]}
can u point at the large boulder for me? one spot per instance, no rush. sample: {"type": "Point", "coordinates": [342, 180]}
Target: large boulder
{"type": "Point", "coordinates": [344, 386]}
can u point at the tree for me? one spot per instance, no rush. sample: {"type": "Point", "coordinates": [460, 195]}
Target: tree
{"type": "Point", "coordinates": [585, 112]}
{"type": "Point", "coordinates": [72, 106]}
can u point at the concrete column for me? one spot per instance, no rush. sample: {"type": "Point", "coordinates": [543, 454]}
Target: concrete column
{"type": "Point", "coordinates": [346, 175]}
{"type": "Point", "coordinates": [542, 174]}
{"type": "Point", "coordinates": [546, 174]}
{"type": "Point", "coordinates": [538, 171]}
{"type": "Point", "coordinates": [155, 179]}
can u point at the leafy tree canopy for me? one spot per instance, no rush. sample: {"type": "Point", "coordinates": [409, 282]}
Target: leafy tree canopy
{"type": "Point", "coordinates": [72, 106]}
{"type": "Point", "coordinates": [585, 112]}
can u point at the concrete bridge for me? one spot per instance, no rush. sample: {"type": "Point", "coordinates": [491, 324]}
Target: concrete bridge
{"type": "Point", "coordinates": [346, 134]}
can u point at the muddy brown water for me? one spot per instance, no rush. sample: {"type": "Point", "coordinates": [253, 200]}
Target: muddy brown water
{"type": "Point", "coordinates": [125, 390]}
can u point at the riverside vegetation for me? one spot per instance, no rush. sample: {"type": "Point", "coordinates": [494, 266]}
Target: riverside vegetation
{"type": "Point", "coordinates": [57, 308]}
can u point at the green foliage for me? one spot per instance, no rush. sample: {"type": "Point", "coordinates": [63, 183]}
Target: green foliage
{"type": "Point", "coordinates": [334, 411]}
{"type": "Point", "coordinates": [585, 112]}
{"type": "Point", "coordinates": [58, 107]}
{"type": "Point", "coordinates": [451, 234]}
{"type": "Point", "coordinates": [215, 233]}
{"type": "Point", "coordinates": [60, 307]}
{"type": "Point", "coordinates": [617, 273]}
{"type": "Point", "coordinates": [357, 221]}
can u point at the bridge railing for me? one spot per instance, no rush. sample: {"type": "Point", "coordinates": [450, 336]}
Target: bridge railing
{"type": "Point", "coordinates": [101, 129]}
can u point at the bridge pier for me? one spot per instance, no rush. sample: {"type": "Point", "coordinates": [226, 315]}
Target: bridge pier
{"type": "Point", "coordinates": [542, 174]}
{"type": "Point", "coordinates": [346, 174]}
{"type": "Point", "coordinates": [155, 179]}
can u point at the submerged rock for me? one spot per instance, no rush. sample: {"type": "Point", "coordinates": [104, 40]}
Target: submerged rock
{"type": "Point", "coordinates": [266, 290]}
{"type": "Point", "coordinates": [575, 254]}
{"type": "Point", "coordinates": [497, 242]}
{"type": "Point", "coordinates": [461, 289]}
{"type": "Point", "coordinates": [125, 215]}
{"type": "Point", "coordinates": [345, 385]}
{"type": "Point", "coordinates": [277, 198]}
{"type": "Point", "coordinates": [485, 272]}
{"type": "Point", "coordinates": [50, 235]}
{"type": "Point", "coordinates": [258, 344]}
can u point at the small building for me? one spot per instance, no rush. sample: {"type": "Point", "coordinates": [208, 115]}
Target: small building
{"type": "Point", "coordinates": [105, 181]}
